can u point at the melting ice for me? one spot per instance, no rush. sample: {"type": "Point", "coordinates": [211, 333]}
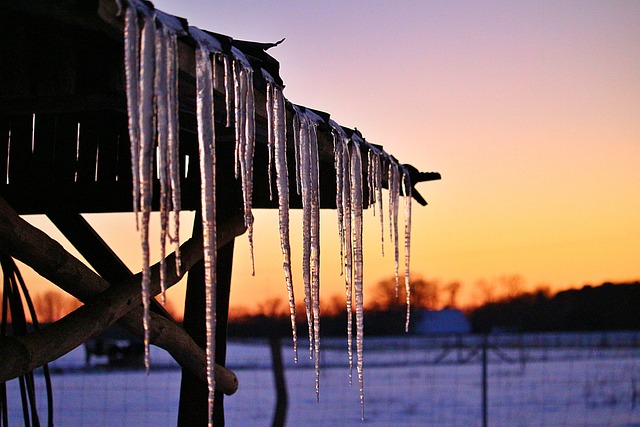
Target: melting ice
{"type": "Point", "coordinates": [151, 85]}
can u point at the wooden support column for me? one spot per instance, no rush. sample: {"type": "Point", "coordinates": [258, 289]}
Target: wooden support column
{"type": "Point", "coordinates": [193, 410]}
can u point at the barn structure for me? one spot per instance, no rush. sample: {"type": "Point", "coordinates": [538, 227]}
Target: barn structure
{"type": "Point", "coordinates": [65, 150]}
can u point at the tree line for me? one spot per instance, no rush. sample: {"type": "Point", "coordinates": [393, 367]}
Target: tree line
{"type": "Point", "coordinates": [606, 307]}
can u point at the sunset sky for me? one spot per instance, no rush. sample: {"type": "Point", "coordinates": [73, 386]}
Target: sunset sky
{"type": "Point", "coordinates": [530, 110]}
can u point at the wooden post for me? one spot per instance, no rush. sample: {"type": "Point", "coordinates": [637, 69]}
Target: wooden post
{"type": "Point", "coordinates": [280, 413]}
{"type": "Point", "coordinates": [194, 393]}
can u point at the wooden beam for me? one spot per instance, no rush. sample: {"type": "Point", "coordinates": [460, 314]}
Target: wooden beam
{"type": "Point", "coordinates": [19, 355]}
{"type": "Point", "coordinates": [33, 247]}
{"type": "Point", "coordinates": [95, 250]}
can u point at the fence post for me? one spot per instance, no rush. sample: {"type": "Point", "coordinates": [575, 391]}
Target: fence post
{"type": "Point", "coordinates": [280, 414]}
{"type": "Point", "coordinates": [485, 412]}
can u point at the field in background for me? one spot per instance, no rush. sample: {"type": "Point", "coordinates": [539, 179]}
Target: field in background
{"type": "Point", "coordinates": [531, 380]}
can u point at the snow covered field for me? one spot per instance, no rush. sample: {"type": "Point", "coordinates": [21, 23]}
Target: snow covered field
{"type": "Point", "coordinates": [408, 382]}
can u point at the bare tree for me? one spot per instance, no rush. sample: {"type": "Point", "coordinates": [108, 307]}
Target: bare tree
{"type": "Point", "coordinates": [272, 307]}
{"type": "Point", "coordinates": [452, 288]}
{"type": "Point", "coordinates": [54, 305]}
{"type": "Point", "coordinates": [485, 291]}
{"type": "Point", "coordinates": [512, 285]}
{"type": "Point", "coordinates": [424, 294]}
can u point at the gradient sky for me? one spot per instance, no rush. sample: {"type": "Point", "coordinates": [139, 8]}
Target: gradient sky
{"type": "Point", "coordinates": [530, 110]}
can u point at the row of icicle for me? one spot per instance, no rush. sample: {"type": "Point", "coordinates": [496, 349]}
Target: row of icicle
{"type": "Point", "coordinates": [151, 68]}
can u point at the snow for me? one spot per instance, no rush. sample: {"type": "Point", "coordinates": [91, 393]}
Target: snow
{"type": "Point", "coordinates": [409, 383]}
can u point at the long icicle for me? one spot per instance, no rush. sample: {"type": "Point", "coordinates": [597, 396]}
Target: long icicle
{"type": "Point", "coordinates": [356, 219]}
{"type": "Point", "coordinates": [304, 165]}
{"type": "Point", "coordinates": [378, 190]}
{"type": "Point", "coordinates": [245, 143]}
{"type": "Point", "coordinates": [146, 108]}
{"type": "Point", "coordinates": [348, 249]}
{"type": "Point", "coordinates": [174, 146]}
{"type": "Point", "coordinates": [162, 123]}
{"type": "Point", "coordinates": [337, 162]}
{"type": "Point", "coordinates": [270, 134]}
{"type": "Point", "coordinates": [132, 75]}
{"type": "Point", "coordinates": [206, 148]}
{"type": "Point", "coordinates": [279, 117]}
{"type": "Point", "coordinates": [315, 248]}
{"type": "Point", "coordinates": [407, 242]}
{"type": "Point", "coordinates": [394, 196]}
{"type": "Point", "coordinates": [343, 208]}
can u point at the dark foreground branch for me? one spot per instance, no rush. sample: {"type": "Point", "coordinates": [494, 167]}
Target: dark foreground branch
{"type": "Point", "coordinates": [104, 304]}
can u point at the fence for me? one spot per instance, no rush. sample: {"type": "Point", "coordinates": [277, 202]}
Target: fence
{"type": "Point", "coordinates": [498, 380]}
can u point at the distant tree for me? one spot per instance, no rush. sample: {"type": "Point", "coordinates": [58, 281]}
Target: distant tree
{"type": "Point", "coordinates": [485, 292]}
{"type": "Point", "coordinates": [512, 285]}
{"type": "Point", "coordinates": [605, 307]}
{"type": "Point", "coordinates": [53, 305]}
{"type": "Point", "coordinates": [452, 288]}
{"type": "Point", "coordinates": [272, 307]}
{"type": "Point", "coordinates": [336, 305]}
{"type": "Point", "coordinates": [424, 294]}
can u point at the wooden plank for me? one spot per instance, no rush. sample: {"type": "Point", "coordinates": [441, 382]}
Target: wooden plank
{"type": "Point", "coordinates": [20, 148]}
{"type": "Point", "coordinates": [5, 134]}
{"type": "Point", "coordinates": [66, 140]}
{"type": "Point", "coordinates": [108, 145]}
{"type": "Point", "coordinates": [44, 147]}
{"type": "Point", "coordinates": [86, 164]}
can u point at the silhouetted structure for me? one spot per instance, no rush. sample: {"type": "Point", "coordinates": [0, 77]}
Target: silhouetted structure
{"type": "Point", "coordinates": [65, 151]}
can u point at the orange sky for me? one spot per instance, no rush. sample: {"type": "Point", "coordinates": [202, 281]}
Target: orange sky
{"type": "Point", "coordinates": [528, 109]}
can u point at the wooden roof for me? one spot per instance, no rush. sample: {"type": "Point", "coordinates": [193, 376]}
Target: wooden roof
{"type": "Point", "coordinates": [64, 141]}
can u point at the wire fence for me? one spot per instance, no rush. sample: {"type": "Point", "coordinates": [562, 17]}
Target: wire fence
{"type": "Point", "coordinates": [577, 379]}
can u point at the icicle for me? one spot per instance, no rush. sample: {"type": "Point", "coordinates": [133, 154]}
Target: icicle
{"type": "Point", "coordinates": [162, 100]}
{"type": "Point", "coordinates": [146, 110]}
{"type": "Point", "coordinates": [151, 86]}
{"type": "Point", "coordinates": [206, 143]}
{"type": "Point", "coordinates": [132, 71]}
{"type": "Point", "coordinates": [394, 196]}
{"type": "Point", "coordinates": [374, 185]}
{"type": "Point", "coordinates": [337, 161]}
{"type": "Point", "coordinates": [370, 179]}
{"type": "Point", "coordinates": [174, 145]}
{"type": "Point", "coordinates": [315, 248]}
{"type": "Point", "coordinates": [296, 151]}
{"type": "Point", "coordinates": [343, 208]}
{"type": "Point", "coordinates": [309, 173]}
{"type": "Point", "coordinates": [229, 85]}
{"type": "Point", "coordinates": [304, 171]}
{"type": "Point", "coordinates": [245, 142]}
{"type": "Point", "coordinates": [348, 249]}
{"type": "Point", "coordinates": [278, 123]}
{"type": "Point", "coordinates": [378, 189]}
{"type": "Point", "coordinates": [270, 136]}
{"type": "Point", "coordinates": [356, 219]}
{"type": "Point", "coordinates": [407, 241]}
